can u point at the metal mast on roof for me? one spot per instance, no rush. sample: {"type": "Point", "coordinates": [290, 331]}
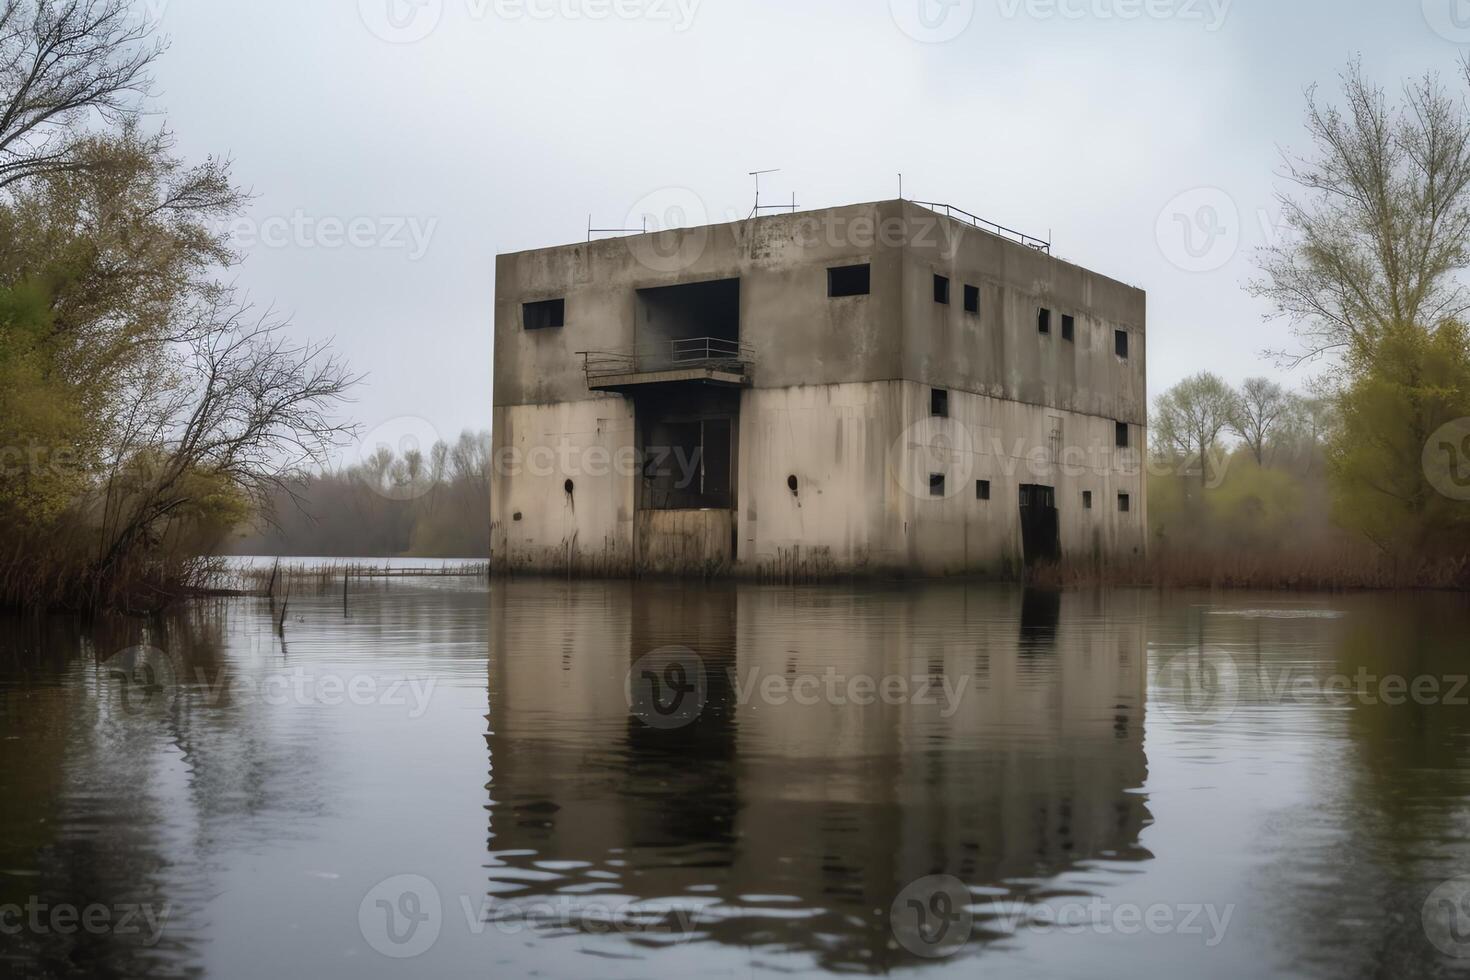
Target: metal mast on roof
{"type": "Point", "coordinates": [759, 207]}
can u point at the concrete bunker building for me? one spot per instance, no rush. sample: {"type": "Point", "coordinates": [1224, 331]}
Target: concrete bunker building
{"type": "Point", "coordinates": [892, 388]}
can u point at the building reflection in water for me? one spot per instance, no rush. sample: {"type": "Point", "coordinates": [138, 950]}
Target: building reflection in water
{"type": "Point", "coordinates": [802, 799]}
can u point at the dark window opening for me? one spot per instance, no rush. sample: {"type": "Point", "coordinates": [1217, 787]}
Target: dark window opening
{"type": "Point", "coordinates": [1120, 343]}
{"type": "Point", "coordinates": [972, 299]}
{"type": "Point", "coordinates": [688, 322]}
{"type": "Point", "coordinates": [1043, 321]}
{"type": "Point", "coordinates": [982, 489]}
{"type": "Point", "coordinates": [1123, 502]}
{"type": "Point", "coordinates": [849, 280]}
{"type": "Point", "coordinates": [1087, 500]}
{"type": "Point", "coordinates": [939, 402]}
{"type": "Point", "coordinates": [936, 484]}
{"type": "Point", "coordinates": [1120, 435]}
{"type": "Point", "coordinates": [1069, 327]}
{"type": "Point", "coordinates": [544, 313]}
{"type": "Point", "coordinates": [941, 290]}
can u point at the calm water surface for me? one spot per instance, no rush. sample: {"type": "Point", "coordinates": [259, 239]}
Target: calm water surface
{"type": "Point", "coordinates": [939, 780]}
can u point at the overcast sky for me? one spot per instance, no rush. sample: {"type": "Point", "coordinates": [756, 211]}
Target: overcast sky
{"type": "Point", "coordinates": [395, 146]}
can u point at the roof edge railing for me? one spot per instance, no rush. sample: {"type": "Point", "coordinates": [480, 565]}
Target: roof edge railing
{"type": "Point", "coordinates": [985, 224]}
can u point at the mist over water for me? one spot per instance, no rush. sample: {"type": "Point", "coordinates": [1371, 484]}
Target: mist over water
{"type": "Point", "coordinates": [617, 778]}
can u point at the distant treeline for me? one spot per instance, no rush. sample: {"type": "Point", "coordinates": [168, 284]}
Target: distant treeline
{"type": "Point", "coordinates": [434, 505]}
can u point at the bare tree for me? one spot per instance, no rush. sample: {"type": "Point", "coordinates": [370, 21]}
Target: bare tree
{"type": "Point", "coordinates": [1189, 417]}
{"type": "Point", "coordinates": [1260, 407]}
{"type": "Point", "coordinates": [248, 414]}
{"type": "Point", "coordinates": [61, 60]}
{"type": "Point", "coordinates": [1383, 223]}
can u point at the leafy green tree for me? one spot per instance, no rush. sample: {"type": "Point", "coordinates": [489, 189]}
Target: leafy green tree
{"type": "Point", "coordinates": [1189, 418]}
{"type": "Point", "coordinates": [1368, 274]}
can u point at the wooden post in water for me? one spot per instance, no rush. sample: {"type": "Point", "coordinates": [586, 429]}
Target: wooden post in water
{"type": "Point", "coordinates": [346, 572]}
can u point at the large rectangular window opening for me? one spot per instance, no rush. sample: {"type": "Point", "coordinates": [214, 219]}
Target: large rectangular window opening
{"type": "Point", "coordinates": [1120, 435]}
{"type": "Point", "coordinates": [1043, 320]}
{"type": "Point", "coordinates": [939, 402]}
{"type": "Point", "coordinates": [687, 459]}
{"type": "Point", "coordinates": [972, 299]}
{"type": "Point", "coordinates": [1069, 327]}
{"type": "Point", "coordinates": [687, 324]}
{"type": "Point", "coordinates": [941, 290]}
{"type": "Point", "coordinates": [1120, 343]}
{"type": "Point", "coordinates": [544, 313]}
{"type": "Point", "coordinates": [849, 280]}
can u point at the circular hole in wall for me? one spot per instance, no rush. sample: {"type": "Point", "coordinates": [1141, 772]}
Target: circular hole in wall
{"type": "Point", "coordinates": [791, 482]}
{"type": "Point", "coordinates": [568, 487]}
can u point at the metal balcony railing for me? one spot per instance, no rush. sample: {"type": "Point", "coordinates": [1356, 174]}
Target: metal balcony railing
{"type": "Point", "coordinates": [672, 355]}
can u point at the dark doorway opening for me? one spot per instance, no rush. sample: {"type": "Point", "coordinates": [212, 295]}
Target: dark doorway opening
{"type": "Point", "coordinates": [1040, 530]}
{"type": "Point", "coordinates": [688, 444]}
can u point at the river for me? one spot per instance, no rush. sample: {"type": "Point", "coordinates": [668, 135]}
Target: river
{"type": "Point", "coordinates": [616, 779]}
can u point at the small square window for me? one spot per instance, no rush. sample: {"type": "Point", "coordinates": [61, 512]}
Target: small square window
{"type": "Point", "coordinates": [1120, 343]}
{"type": "Point", "coordinates": [1087, 500]}
{"type": "Point", "coordinates": [941, 290]}
{"type": "Point", "coordinates": [936, 484]}
{"type": "Point", "coordinates": [1043, 321]}
{"type": "Point", "coordinates": [849, 280]}
{"type": "Point", "coordinates": [1120, 435]}
{"type": "Point", "coordinates": [544, 313]}
{"type": "Point", "coordinates": [982, 489]}
{"type": "Point", "coordinates": [1069, 327]}
{"type": "Point", "coordinates": [1123, 502]}
{"type": "Point", "coordinates": [939, 402]}
{"type": "Point", "coordinates": [972, 299]}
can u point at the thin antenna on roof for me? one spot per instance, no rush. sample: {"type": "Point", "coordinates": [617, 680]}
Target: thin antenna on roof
{"type": "Point", "coordinates": [757, 175]}
{"type": "Point", "coordinates": [615, 231]}
{"type": "Point", "coordinates": [900, 187]}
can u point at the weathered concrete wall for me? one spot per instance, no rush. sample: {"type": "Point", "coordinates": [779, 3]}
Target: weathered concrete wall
{"type": "Point", "coordinates": [782, 262]}
{"type": "Point", "coordinates": [999, 351]}
{"type": "Point", "coordinates": [862, 456]}
{"type": "Point", "coordinates": [536, 525]}
{"type": "Point", "coordinates": [685, 542]}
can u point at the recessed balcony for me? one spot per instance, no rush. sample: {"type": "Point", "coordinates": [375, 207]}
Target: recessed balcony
{"type": "Point", "coordinates": [707, 360]}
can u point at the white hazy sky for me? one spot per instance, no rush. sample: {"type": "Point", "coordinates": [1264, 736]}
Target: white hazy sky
{"type": "Point", "coordinates": [445, 131]}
